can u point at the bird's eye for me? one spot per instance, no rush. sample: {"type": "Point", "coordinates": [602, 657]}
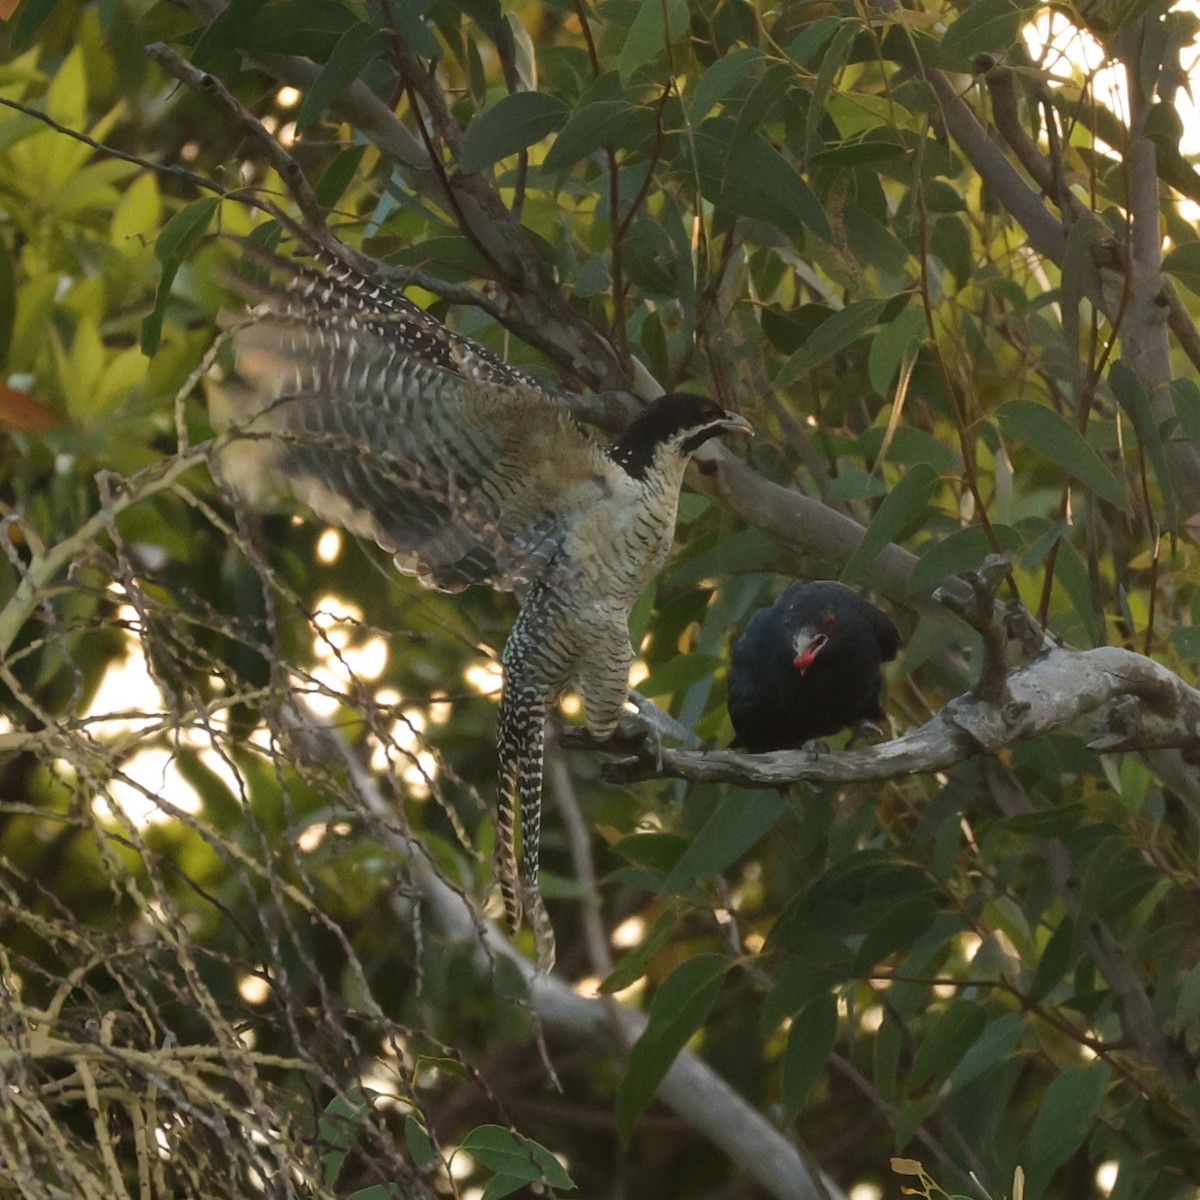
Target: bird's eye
{"type": "Point", "coordinates": [830, 620]}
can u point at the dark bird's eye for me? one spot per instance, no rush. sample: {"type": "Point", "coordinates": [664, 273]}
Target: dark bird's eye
{"type": "Point", "coordinates": [830, 620]}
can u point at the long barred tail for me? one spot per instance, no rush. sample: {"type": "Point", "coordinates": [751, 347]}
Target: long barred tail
{"type": "Point", "coordinates": [520, 737]}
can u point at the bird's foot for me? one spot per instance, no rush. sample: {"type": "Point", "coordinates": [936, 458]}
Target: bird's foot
{"type": "Point", "coordinates": [865, 731]}
{"type": "Point", "coordinates": [814, 750]}
{"type": "Point", "coordinates": [663, 723]}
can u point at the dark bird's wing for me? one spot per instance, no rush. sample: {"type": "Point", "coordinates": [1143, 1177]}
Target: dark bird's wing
{"type": "Point", "coordinates": [383, 421]}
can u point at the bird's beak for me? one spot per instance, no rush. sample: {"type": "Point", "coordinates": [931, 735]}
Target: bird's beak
{"type": "Point", "coordinates": [807, 649]}
{"type": "Point", "coordinates": [736, 423]}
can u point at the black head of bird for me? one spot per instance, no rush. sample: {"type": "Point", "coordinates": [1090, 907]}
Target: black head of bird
{"type": "Point", "coordinates": [384, 421]}
{"type": "Point", "coordinates": [809, 666]}
{"type": "Point", "coordinates": [674, 425]}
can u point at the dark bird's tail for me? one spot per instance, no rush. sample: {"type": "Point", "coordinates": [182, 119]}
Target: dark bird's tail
{"type": "Point", "coordinates": [520, 739]}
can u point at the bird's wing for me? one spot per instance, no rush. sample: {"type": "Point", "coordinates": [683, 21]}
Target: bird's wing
{"type": "Point", "coordinates": [465, 476]}
{"type": "Point", "coordinates": [886, 633]}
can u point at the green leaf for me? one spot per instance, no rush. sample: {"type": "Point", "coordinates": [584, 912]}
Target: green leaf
{"type": "Point", "coordinates": [660, 851]}
{"type": "Point", "coordinates": [1049, 823]}
{"type": "Point", "coordinates": [757, 182]}
{"type": "Point", "coordinates": [739, 820]}
{"type": "Point", "coordinates": [658, 23]}
{"type": "Point", "coordinates": [309, 27]}
{"type": "Point", "coordinates": [337, 176]}
{"type": "Point", "coordinates": [834, 334]}
{"type": "Point", "coordinates": [679, 673]}
{"type": "Point", "coordinates": [1054, 961]}
{"type": "Point", "coordinates": [633, 966]}
{"type": "Point", "coordinates": [1053, 437]}
{"type": "Point", "coordinates": [338, 1129]}
{"type": "Point", "coordinates": [179, 237]}
{"type": "Point", "coordinates": [1135, 401]}
{"type": "Point", "coordinates": [986, 26]}
{"type": "Point", "coordinates": [963, 550]}
{"type": "Point", "coordinates": [378, 1191]}
{"type": "Point", "coordinates": [1187, 1003]}
{"type": "Point", "coordinates": [833, 59]}
{"type": "Point", "coordinates": [500, 1186]}
{"type": "Point", "coordinates": [420, 1146]}
{"type": "Point", "coordinates": [1186, 641]}
{"type": "Point", "coordinates": [905, 504]}
{"type": "Point", "coordinates": [593, 126]}
{"type": "Point", "coordinates": [994, 1045]}
{"type": "Point", "coordinates": [509, 126]}
{"type": "Point", "coordinates": [810, 1042]}
{"type": "Point", "coordinates": [355, 50]}
{"type": "Point", "coordinates": [8, 302]}
{"type": "Point", "coordinates": [803, 48]}
{"type": "Point", "coordinates": [719, 80]}
{"type": "Point", "coordinates": [856, 154]}
{"type": "Point", "coordinates": [849, 901]}
{"type": "Point", "coordinates": [897, 925]}
{"type": "Point", "coordinates": [947, 1040]}
{"type": "Point", "coordinates": [678, 1009]}
{"type": "Point", "coordinates": [1067, 1109]}
{"type": "Point", "coordinates": [500, 1150]}
{"type": "Point", "coordinates": [1183, 262]}
{"type": "Point", "coordinates": [31, 16]}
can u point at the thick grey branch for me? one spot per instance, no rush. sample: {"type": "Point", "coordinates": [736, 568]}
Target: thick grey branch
{"type": "Point", "coordinates": [1059, 687]}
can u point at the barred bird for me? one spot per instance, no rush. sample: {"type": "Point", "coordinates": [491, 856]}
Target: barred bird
{"type": "Point", "coordinates": [809, 666]}
{"type": "Point", "coordinates": [382, 420]}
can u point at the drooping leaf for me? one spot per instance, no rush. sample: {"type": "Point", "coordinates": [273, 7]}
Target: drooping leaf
{"type": "Point", "coordinates": [994, 1045]}
{"type": "Point", "coordinates": [810, 1042]}
{"type": "Point", "coordinates": [337, 176]}
{"type": "Point", "coordinates": [742, 817]}
{"type": "Point", "coordinates": [725, 74]}
{"type": "Point", "coordinates": [658, 23]}
{"type": "Point", "coordinates": [903, 505]}
{"type": "Point", "coordinates": [179, 237]}
{"type": "Point", "coordinates": [512, 124]}
{"type": "Point", "coordinates": [8, 301]}
{"type": "Point", "coordinates": [759, 182]}
{"type": "Point", "coordinates": [833, 335]}
{"type": "Point", "coordinates": [1065, 1115]}
{"type": "Point", "coordinates": [679, 673]}
{"type": "Point", "coordinates": [1053, 437]}
{"type": "Point", "coordinates": [354, 51]}
{"type": "Point", "coordinates": [963, 550]}
{"type": "Point", "coordinates": [507, 1153]}
{"type": "Point", "coordinates": [339, 1128]}
{"type": "Point", "coordinates": [678, 1009]}
{"type": "Point", "coordinates": [1183, 262]}
{"type": "Point", "coordinates": [949, 1036]}
{"type": "Point", "coordinates": [420, 1145]}
{"type": "Point", "coordinates": [593, 126]}
{"type": "Point", "coordinates": [1054, 961]}
{"type": "Point", "coordinates": [1134, 400]}
{"type": "Point", "coordinates": [32, 16]}
{"type": "Point", "coordinates": [633, 966]}
{"type": "Point", "coordinates": [985, 27]}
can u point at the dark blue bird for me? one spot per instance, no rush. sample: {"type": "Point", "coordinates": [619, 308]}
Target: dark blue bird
{"type": "Point", "coordinates": [809, 666]}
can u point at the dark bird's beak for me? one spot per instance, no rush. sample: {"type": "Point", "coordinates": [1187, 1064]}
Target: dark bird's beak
{"type": "Point", "coordinates": [807, 650]}
{"type": "Point", "coordinates": [736, 423]}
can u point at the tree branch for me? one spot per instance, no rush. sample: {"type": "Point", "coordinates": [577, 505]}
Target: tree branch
{"type": "Point", "coordinates": [695, 1092]}
{"type": "Point", "coordinates": [1142, 707]}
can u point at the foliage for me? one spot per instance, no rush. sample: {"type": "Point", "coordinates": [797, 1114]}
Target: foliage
{"type": "Point", "coordinates": [924, 254]}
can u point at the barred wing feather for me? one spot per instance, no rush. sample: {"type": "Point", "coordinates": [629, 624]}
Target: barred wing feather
{"type": "Point", "coordinates": [463, 481]}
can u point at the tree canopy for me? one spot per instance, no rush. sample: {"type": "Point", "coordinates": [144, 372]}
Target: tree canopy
{"type": "Point", "coordinates": [948, 264]}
